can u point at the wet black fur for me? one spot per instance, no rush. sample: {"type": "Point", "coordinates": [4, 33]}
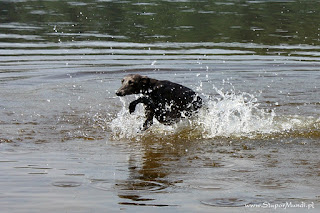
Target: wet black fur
{"type": "Point", "coordinates": [166, 101]}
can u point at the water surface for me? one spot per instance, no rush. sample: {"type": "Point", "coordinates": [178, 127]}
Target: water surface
{"type": "Point", "coordinates": [67, 143]}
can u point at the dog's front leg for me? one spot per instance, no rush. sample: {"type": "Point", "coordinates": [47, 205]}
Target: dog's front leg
{"type": "Point", "coordinates": [149, 120]}
{"type": "Point", "coordinates": [145, 100]}
{"type": "Point", "coordinates": [149, 110]}
{"type": "Point", "coordinates": [133, 104]}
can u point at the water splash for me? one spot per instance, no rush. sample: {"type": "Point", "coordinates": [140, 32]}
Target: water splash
{"type": "Point", "coordinates": [127, 125]}
{"type": "Point", "coordinates": [229, 115]}
{"type": "Point", "coordinates": [235, 115]}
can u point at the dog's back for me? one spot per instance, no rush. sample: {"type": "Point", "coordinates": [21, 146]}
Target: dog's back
{"type": "Point", "coordinates": [174, 101]}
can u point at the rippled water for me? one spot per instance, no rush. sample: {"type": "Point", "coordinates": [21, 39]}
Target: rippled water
{"type": "Point", "coordinates": [68, 143]}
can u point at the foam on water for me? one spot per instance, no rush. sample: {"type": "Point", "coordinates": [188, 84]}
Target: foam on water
{"type": "Point", "coordinates": [230, 114]}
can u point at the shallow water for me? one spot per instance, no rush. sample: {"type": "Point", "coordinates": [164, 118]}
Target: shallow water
{"type": "Point", "coordinates": [67, 143]}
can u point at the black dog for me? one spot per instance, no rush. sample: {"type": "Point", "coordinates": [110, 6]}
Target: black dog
{"type": "Point", "coordinates": [164, 100]}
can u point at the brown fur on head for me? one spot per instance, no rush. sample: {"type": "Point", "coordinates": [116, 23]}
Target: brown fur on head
{"type": "Point", "coordinates": [133, 84]}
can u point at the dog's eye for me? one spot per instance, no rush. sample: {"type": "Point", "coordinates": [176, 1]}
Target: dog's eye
{"type": "Point", "coordinates": [130, 82]}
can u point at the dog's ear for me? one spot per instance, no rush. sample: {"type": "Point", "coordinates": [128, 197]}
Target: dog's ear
{"type": "Point", "coordinates": [145, 80]}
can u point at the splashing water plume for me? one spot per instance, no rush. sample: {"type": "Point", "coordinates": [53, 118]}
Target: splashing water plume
{"type": "Point", "coordinates": [126, 125]}
{"type": "Point", "coordinates": [229, 115]}
{"type": "Point", "coordinates": [235, 115]}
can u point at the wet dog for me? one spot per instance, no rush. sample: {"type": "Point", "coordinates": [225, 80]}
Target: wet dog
{"type": "Point", "coordinates": [168, 102]}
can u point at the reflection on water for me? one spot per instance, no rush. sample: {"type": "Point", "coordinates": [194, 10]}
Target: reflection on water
{"type": "Point", "coordinates": [68, 144]}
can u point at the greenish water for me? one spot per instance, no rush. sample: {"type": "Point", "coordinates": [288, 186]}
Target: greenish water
{"type": "Point", "coordinates": [68, 143]}
{"type": "Point", "coordinates": [260, 22]}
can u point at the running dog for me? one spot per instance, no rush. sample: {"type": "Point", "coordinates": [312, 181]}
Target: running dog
{"type": "Point", "coordinates": [168, 102]}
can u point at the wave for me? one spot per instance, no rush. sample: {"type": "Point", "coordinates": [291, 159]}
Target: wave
{"type": "Point", "coordinates": [229, 115]}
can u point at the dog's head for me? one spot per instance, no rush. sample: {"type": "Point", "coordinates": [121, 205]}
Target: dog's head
{"type": "Point", "coordinates": [133, 84]}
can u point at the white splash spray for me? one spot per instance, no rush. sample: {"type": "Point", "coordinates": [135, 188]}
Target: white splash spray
{"type": "Point", "coordinates": [126, 125]}
{"type": "Point", "coordinates": [234, 115]}
{"type": "Point", "coordinates": [228, 114]}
